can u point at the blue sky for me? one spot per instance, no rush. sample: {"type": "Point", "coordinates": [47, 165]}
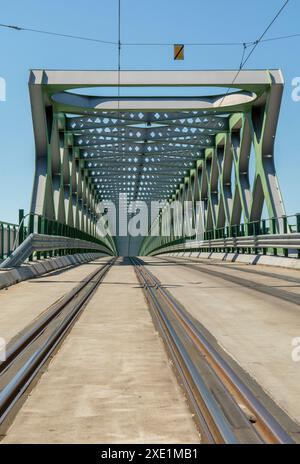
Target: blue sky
{"type": "Point", "coordinates": [171, 21]}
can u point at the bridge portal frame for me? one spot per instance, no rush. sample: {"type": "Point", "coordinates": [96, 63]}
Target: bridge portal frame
{"type": "Point", "coordinates": [64, 189]}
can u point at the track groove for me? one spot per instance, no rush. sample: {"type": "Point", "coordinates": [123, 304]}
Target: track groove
{"type": "Point", "coordinates": [271, 291]}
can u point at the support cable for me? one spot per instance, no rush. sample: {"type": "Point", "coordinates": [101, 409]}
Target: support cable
{"type": "Point", "coordinates": [254, 46]}
{"type": "Point", "coordinates": [67, 36]}
{"type": "Point", "coordinates": [148, 44]}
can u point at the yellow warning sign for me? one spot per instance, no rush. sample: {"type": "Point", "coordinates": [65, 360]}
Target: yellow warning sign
{"type": "Point", "coordinates": [178, 52]}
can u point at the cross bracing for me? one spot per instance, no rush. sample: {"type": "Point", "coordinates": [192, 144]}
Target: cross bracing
{"type": "Point", "coordinates": [92, 148]}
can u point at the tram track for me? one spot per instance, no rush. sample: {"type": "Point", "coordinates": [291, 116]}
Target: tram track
{"type": "Point", "coordinates": [28, 352]}
{"type": "Point", "coordinates": [226, 409]}
{"type": "Point", "coordinates": [245, 268]}
{"type": "Point", "coordinates": [275, 292]}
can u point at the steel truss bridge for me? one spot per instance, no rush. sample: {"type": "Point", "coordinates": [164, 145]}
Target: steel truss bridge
{"type": "Point", "coordinates": [91, 149]}
{"type": "Point", "coordinates": [95, 341]}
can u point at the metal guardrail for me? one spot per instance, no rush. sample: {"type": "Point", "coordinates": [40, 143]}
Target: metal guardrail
{"type": "Point", "coordinates": [41, 242]}
{"type": "Point", "coordinates": [8, 236]}
{"type": "Point", "coordinates": [272, 227]}
{"type": "Point", "coordinates": [255, 243]}
{"type": "Point", "coordinates": [13, 235]}
{"type": "Point", "coordinates": [42, 225]}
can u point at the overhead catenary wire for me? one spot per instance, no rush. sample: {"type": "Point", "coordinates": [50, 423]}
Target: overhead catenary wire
{"type": "Point", "coordinates": [190, 44]}
{"type": "Point", "coordinates": [110, 42]}
{"type": "Point", "coordinates": [254, 46]}
{"type": "Point", "coordinates": [281, 37]}
{"type": "Point", "coordinates": [256, 43]}
{"type": "Point", "coordinates": [119, 70]}
{"type": "Point", "coordinates": [150, 44]}
{"type": "Point", "coordinates": [58, 34]}
{"type": "Point", "coordinates": [119, 56]}
{"type": "Point", "coordinates": [119, 94]}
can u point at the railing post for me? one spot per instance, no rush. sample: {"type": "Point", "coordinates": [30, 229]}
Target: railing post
{"type": "Point", "coordinates": [31, 223]}
{"type": "Point", "coordinates": [242, 234]}
{"type": "Point", "coordinates": [298, 228]}
{"type": "Point", "coordinates": [2, 241]}
{"type": "Point", "coordinates": [285, 224]}
{"type": "Point", "coordinates": [250, 228]}
{"type": "Point", "coordinates": [273, 224]}
{"type": "Point", "coordinates": [39, 229]}
{"type": "Point", "coordinates": [264, 228]}
{"type": "Point", "coordinates": [8, 240]}
{"type": "Point", "coordinates": [31, 230]}
{"type": "Point", "coordinates": [226, 236]}
{"type": "Point", "coordinates": [46, 232]}
{"type": "Point", "coordinates": [254, 233]}
{"type": "Point", "coordinates": [246, 228]}
{"type": "Point", "coordinates": [285, 229]}
{"type": "Point", "coordinates": [60, 253]}
{"type": "Point", "coordinates": [52, 232]}
{"type": "Point", "coordinates": [21, 226]}
{"type": "Point", "coordinates": [15, 235]}
{"type": "Point", "coordinates": [231, 234]}
{"type": "Point", "coordinates": [264, 231]}
{"type": "Point", "coordinates": [235, 235]}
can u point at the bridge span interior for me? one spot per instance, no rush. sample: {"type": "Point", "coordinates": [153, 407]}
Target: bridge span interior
{"type": "Point", "coordinates": [187, 342]}
{"type": "Point", "coordinates": [92, 148]}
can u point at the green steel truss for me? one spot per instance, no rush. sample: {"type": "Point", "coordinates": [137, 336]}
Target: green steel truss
{"type": "Point", "coordinates": [91, 148]}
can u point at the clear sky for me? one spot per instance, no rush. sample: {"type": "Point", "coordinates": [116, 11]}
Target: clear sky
{"type": "Point", "coordinates": [171, 21]}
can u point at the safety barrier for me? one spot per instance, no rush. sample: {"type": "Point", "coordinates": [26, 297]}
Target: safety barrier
{"type": "Point", "coordinates": [41, 225]}
{"type": "Point", "coordinates": [285, 244]}
{"type": "Point", "coordinates": [253, 237]}
{"type": "Point", "coordinates": [44, 243]}
{"type": "Point", "coordinates": [8, 236]}
{"type": "Point", "coordinates": [12, 236]}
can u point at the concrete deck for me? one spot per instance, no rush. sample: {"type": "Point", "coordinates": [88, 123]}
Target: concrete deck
{"type": "Point", "coordinates": [111, 381]}
{"type": "Point", "coordinates": [254, 328]}
{"type": "Point", "coordinates": [21, 303]}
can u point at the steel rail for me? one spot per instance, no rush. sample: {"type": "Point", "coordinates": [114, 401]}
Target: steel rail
{"type": "Point", "coordinates": [203, 403]}
{"type": "Point", "coordinates": [253, 285]}
{"type": "Point", "coordinates": [274, 292]}
{"type": "Point", "coordinates": [24, 360]}
{"type": "Point", "coordinates": [240, 267]}
{"type": "Point", "coordinates": [264, 425]}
